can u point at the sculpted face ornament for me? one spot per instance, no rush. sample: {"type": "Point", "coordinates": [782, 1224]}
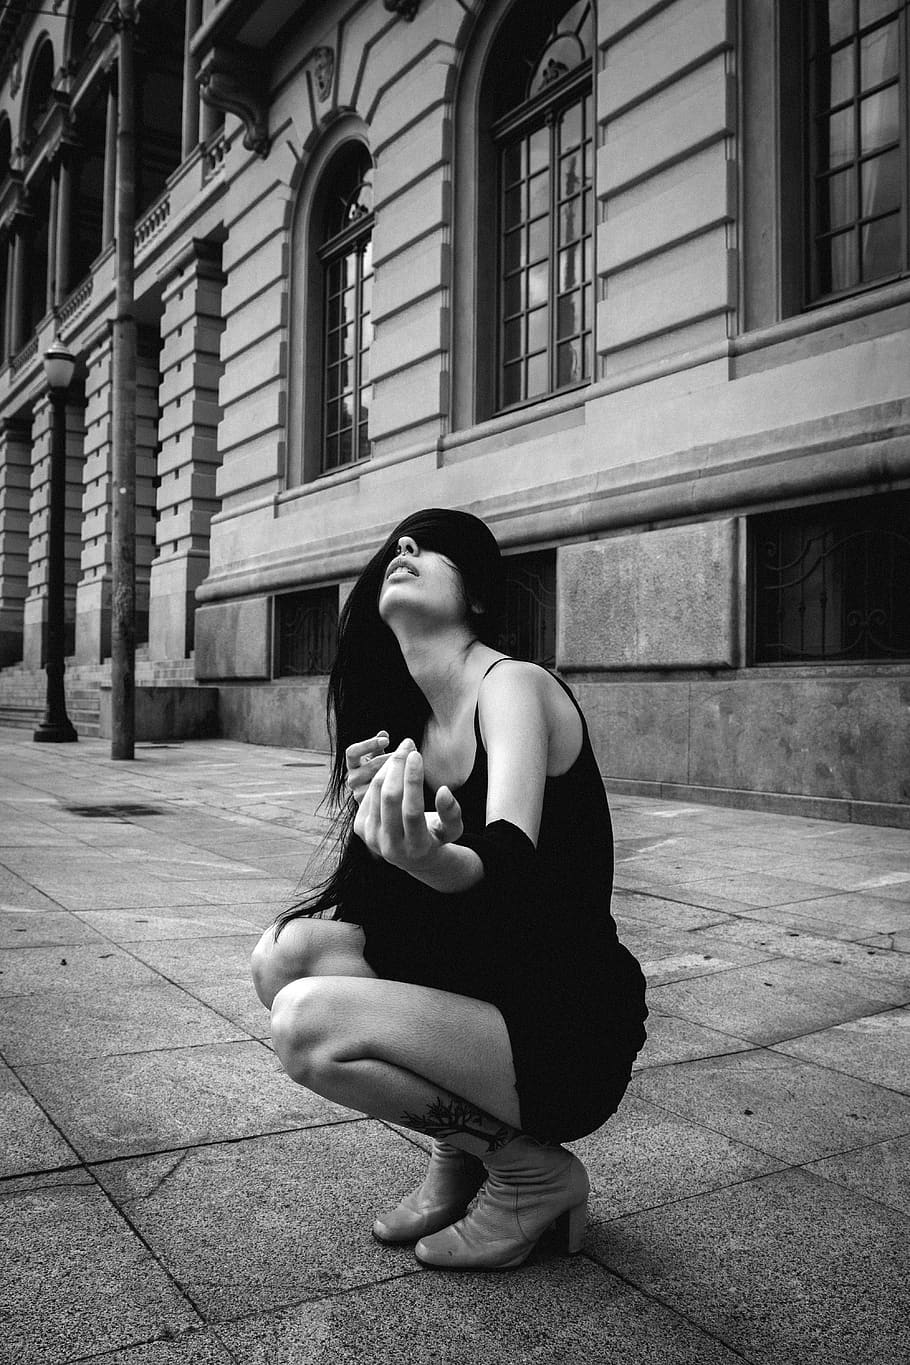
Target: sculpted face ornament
{"type": "Point", "coordinates": [323, 72]}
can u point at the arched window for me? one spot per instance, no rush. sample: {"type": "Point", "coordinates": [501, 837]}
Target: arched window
{"type": "Point", "coordinates": [6, 147]}
{"type": "Point", "coordinates": [542, 129]}
{"type": "Point", "coordinates": [83, 16]}
{"type": "Point", "coordinates": [345, 226]}
{"type": "Point", "coordinates": [38, 99]}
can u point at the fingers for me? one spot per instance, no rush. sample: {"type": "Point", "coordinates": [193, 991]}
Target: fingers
{"type": "Point", "coordinates": [451, 826]}
{"type": "Point", "coordinates": [363, 760]}
{"type": "Point", "coordinates": [413, 818]}
{"type": "Point", "coordinates": [392, 794]}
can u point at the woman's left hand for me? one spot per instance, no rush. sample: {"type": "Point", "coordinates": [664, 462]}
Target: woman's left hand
{"type": "Point", "coordinates": [391, 819]}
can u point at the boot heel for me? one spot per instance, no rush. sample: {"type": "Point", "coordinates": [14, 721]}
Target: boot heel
{"type": "Point", "coordinates": [571, 1227]}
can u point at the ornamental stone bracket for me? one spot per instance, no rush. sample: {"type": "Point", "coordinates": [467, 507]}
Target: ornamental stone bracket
{"type": "Point", "coordinates": [406, 8]}
{"type": "Point", "coordinates": [233, 79]}
{"type": "Point", "coordinates": [323, 69]}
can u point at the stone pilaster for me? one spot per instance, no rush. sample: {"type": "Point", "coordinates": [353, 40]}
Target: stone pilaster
{"type": "Point", "coordinates": [188, 457]}
{"type": "Point", "coordinates": [93, 595]}
{"type": "Point", "coordinates": [148, 417]}
{"type": "Point", "coordinates": [15, 477]}
{"type": "Point", "coordinates": [35, 611]}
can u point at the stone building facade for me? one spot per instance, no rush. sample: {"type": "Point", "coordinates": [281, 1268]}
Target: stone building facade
{"type": "Point", "coordinates": [627, 278]}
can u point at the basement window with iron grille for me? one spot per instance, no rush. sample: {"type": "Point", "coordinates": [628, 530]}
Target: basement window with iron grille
{"type": "Point", "coordinates": [529, 628]}
{"type": "Point", "coordinates": [831, 583]}
{"type": "Point", "coordinates": [306, 632]}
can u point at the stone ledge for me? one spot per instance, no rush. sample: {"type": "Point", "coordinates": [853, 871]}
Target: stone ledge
{"type": "Point", "coordinates": [779, 803]}
{"type": "Point", "coordinates": [166, 713]}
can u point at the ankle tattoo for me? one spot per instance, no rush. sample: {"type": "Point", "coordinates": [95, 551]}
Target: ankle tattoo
{"type": "Point", "coordinates": [446, 1118]}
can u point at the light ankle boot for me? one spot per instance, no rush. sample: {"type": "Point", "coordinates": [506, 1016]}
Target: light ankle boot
{"type": "Point", "coordinates": [528, 1187]}
{"type": "Point", "coordinates": [446, 1190]}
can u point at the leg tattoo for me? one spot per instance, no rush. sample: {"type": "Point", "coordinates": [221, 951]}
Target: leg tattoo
{"type": "Point", "coordinates": [449, 1117]}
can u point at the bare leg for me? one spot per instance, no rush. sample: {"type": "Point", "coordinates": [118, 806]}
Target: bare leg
{"type": "Point", "coordinates": [435, 1062]}
{"type": "Point", "coordinates": [307, 947]}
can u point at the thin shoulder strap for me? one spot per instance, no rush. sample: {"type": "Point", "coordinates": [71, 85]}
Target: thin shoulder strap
{"type": "Point", "coordinates": [555, 676]}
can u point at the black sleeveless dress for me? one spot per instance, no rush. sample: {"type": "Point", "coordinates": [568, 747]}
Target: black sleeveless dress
{"type": "Point", "coordinates": [542, 946]}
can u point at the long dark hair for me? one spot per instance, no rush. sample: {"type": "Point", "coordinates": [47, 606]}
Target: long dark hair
{"type": "Point", "coordinates": [370, 688]}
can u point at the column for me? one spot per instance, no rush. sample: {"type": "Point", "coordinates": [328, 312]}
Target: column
{"type": "Point", "coordinates": [188, 458]}
{"type": "Point", "coordinates": [35, 611]}
{"type": "Point", "coordinates": [93, 594]}
{"type": "Point", "coordinates": [109, 213]}
{"type": "Point", "coordinates": [64, 233]}
{"type": "Point", "coordinates": [50, 286]}
{"type": "Point", "coordinates": [8, 303]}
{"type": "Point", "coordinates": [17, 292]}
{"type": "Point", "coordinates": [15, 479]}
{"type": "Point", "coordinates": [190, 127]}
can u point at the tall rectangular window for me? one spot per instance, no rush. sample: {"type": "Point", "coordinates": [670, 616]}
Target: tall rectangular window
{"type": "Point", "coordinates": [856, 83]}
{"type": "Point", "coordinates": [529, 626]}
{"type": "Point", "coordinates": [544, 144]}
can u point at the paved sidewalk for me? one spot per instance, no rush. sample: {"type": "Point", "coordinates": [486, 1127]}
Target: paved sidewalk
{"type": "Point", "coordinates": [169, 1198]}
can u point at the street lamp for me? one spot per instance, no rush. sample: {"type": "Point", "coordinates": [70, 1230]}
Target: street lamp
{"type": "Point", "coordinates": [56, 727]}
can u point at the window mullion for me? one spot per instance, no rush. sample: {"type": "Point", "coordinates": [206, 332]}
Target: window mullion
{"type": "Point", "coordinates": [359, 249]}
{"type": "Point", "coordinates": [552, 119]}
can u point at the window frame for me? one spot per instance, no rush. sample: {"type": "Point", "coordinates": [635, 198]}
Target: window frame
{"type": "Point", "coordinates": [543, 110]}
{"type": "Point", "coordinates": [811, 296]}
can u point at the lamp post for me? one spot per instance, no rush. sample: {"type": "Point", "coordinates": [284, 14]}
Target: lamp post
{"type": "Point", "coordinates": [56, 727]}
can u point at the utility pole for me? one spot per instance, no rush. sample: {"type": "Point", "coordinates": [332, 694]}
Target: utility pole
{"type": "Point", "coordinates": [123, 595]}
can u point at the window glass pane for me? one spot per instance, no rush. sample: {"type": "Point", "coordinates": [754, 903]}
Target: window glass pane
{"type": "Point", "coordinates": [833, 21]}
{"type": "Point", "coordinates": [346, 447]}
{"type": "Point", "coordinates": [364, 370]}
{"type": "Point", "coordinates": [569, 268]}
{"type": "Point", "coordinates": [539, 239]}
{"type": "Point", "coordinates": [840, 141]}
{"type": "Point", "coordinates": [882, 183]}
{"type": "Point", "coordinates": [837, 200]}
{"type": "Point", "coordinates": [570, 128]}
{"type": "Point", "coordinates": [569, 363]}
{"type": "Point", "coordinates": [331, 452]}
{"type": "Point", "coordinates": [366, 398]}
{"type": "Point", "coordinates": [538, 283]}
{"type": "Point", "coordinates": [843, 80]}
{"type": "Point", "coordinates": [513, 209]}
{"type": "Point", "coordinates": [537, 329]}
{"type": "Point", "coordinates": [570, 222]}
{"type": "Point", "coordinates": [513, 294]}
{"type": "Point", "coordinates": [870, 10]}
{"type": "Point", "coordinates": [839, 254]}
{"type": "Point", "coordinates": [366, 294]}
{"type": "Point", "coordinates": [879, 55]}
{"type": "Point", "coordinates": [589, 305]}
{"type": "Point", "coordinates": [366, 333]}
{"type": "Point", "coordinates": [569, 315]}
{"type": "Point", "coordinates": [880, 119]}
{"type": "Point", "coordinates": [367, 257]}
{"type": "Point", "coordinates": [511, 339]}
{"type": "Point", "coordinates": [539, 150]}
{"type": "Point", "coordinates": [570, 174]}
{"type": "Point", "coordinates": [513, 162]}
{"type": "Point", "coordinates": [333, 319]}
{"type": "Point", "coordinates": [539, 194]}
{"type": "Point", "coordinates": [511, 384]}
{"type": "Point", "coordinates": [881, 246]}
{"type": "Point", "coordinates": [346, 412]}
{"type": "Point", "coordinates": [537, 376]}
{"type": "Point", "coordinates": [513, 255]}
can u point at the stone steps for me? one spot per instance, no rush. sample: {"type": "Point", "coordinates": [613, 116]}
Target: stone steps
{"type": "Point", "coordinates": [23, 690]}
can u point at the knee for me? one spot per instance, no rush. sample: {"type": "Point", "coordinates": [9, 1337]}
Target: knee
{"type": "Point", "coordinates": [266, 969]}
{"type": "Point", "coordinates": [305, 1026]}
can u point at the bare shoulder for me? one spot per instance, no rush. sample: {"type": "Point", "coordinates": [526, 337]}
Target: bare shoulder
{"type": "Point", "coordinates": [514, 692]}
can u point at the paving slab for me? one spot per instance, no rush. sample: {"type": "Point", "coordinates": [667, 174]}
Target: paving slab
{"type": "Point", "coordinates": [676, 1040]}
{"type": "Point", "coordinates": [178, 921]}
{"type": "Point", "coordinates": [851, 914]}
{"type": "Point", "coordinates": [646, 1156]}
{"type": "Point", "coordinates": [772, 1000]}
{"type": "Point", "coordinates": [253, 1225]}
{"type": "Point", "coordinates": [563, 1312]}
{"type": "Point", "coordinates": [788, 1268]}
{"type": "Point", "coordinates": [668, 914]}
{"type": "Point", "coordinates": [875, 1049]}
{"type": "Point", "coordinates": [21, 926]}
{"type": "Point", "coordinates": [76, 1277]}
{"type": "Point", "coordinates": [51, 1025]}
{"type": "Point", "coordinates": [200, 959]}
{"type": "Point", "coordinates": [28, 1140]}
{"type": "Point", "coordinates": [881, 1172]}
{"type": "Point", "coordinates": [186, 1348]}
{"type": "Point", "coordinates": [152, 1101]}
{"type": "Point", "coordinates": [791, 1109]}
{"type": "Point", "coordinates": [94, 966]}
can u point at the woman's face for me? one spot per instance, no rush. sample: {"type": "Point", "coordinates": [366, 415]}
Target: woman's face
{"type": "Point", "coordinates": [423, 581]}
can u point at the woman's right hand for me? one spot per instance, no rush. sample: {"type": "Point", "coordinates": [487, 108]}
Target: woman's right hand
{"type": "Point", "coordinates": [364, 761]}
